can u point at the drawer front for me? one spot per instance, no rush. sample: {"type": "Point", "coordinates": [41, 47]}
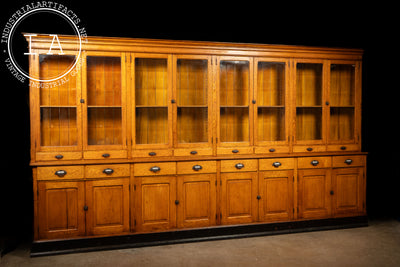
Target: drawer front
{"type": "Point", "coordinates": [193, 152]}
{"type": "Point", "coordinates": [348, 161]}
{"type": "Point", "coordinates": [271, 150]}
{"type": "Point", "coordinates": [60, 172]}
{"type": "Point", "coordinates": [107, 170]}
{"type": "Point", "coordinates": [245, 165]}
{"type": "Point", "coordinates": [156, 168]}
{"type": "Point", "coordinates": [151, 153]}
{"type": "Point", "coordinates": [311, 148]}
{"type": "Point", "coordinates": [276, 164]}
{"type": "Point", "coordinates": [58, 156]}
{"type": "Point", "coordinates": [348, 147]}
{"type": "Point", "coordinates": [194, 167]}
{"type": "Point", "coordinates": [234, 150]}
{"type": "Point", "coordinates": [106, 154]}
{"type": "Point", "coordinates": [314, 162]}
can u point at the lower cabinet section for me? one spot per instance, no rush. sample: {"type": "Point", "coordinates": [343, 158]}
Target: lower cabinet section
{"type": "Point", "coordinates": [113, 199]}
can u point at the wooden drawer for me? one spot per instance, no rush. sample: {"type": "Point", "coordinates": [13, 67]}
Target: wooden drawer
{"type": "Point", "coordinates": [107, 170]}
{"type": "Point", "coordinates": [276, 164]}
{"type": "Point", "coordinates": [60, 172]}
{"type": "Point", "coordinates": [193, 167]}
{"type": "Point", "coordinates": [310, 149]}
{"type": "Point", "coordinates": [272, 149]}
{"type": "Point", "coordinates": [234, 150]}
{"type": "Point", "coordinates": [314, 162]}
{"type": "Point", "coordinates": [348, 161]}
{"type": "Point", "coordinates": [106, 154]}
{"type": "Point", "coordinates": [239, 165]}
{"type": "Point", "coordinates": [59, 156]}
{"type": "Point", "coordinates": [349, 147]}
{"type": "Point", "coordinates": [156, 168]}
{"type": "Point", "coordinates": [193, 152]}
{"type": "Point", "coordinates": [151, 153]}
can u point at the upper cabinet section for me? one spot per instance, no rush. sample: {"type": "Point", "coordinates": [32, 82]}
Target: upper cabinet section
{"type": "Point", "coordinates": [134, 98]}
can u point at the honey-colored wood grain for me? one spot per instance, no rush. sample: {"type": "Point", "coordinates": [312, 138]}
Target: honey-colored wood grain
{"type": "Point", "coordinates": [344, 147]}
{"type": "Point", "coordinates": [309, 148]}
{"type": "Point", "coordinates": [143, 169]}
{"type": "Point", "coordinates": [149, 153]}
{"type": "Point", "coordinates": [232, 165]}
{"type": "Point", "coordinates": [272, 149]}
{"type": "Point", "coordinates": [49, 173]}
{"type": "Point", "coordinates": [58, 156]}
{"type": "Point", "coordinates": [238, 150]}
{"type": "Point", "coordinates": [193, 152]}
{"type": "Point", "coordinates": [270, 164]}
{"type": "Point", "coordinates": [100, 171]}
{"type": "Point", "coordinates": [355, 161]}
{"type": "Point", "coordinates": [105, 154]}
{"type": "Point", "coordinates": [306, 162]}
{"type": "Point", "coordinates": [188, 167]}
{"type": "Point", "coordinates": [108, 206]}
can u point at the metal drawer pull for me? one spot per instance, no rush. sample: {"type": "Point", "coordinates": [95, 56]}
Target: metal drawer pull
{"type": "Point", "coordinates": [348, 161]}
{"type": "Point", "coordinates": [343, 148]}
{"type": "Point", "coordinates": [152, 153]}
{"type": "Point", "coordinates": [272, 150]}
{"type": "Point", "coordinates": [194, 152]}
{"type": "Point", "coordinates": [60, 173]}
{"type": "Point", "coordinates": [314, 162]}
{"type": "Point", "coordinates": [197, 167]}
{"type": "Point", "coordinates": [276, 164]}
{"type": "Point", "coordinates": [239, 166]}
{"type": "Point", "coordinates": [235, 151]}
{"type": "Point", "coordinates": [105, 155]}
{"type": "Point", "coordinates": [108, 171]}
{"type": "Point", "coordinates": [309, 149]}
{"type": "Point", "coordinates": [155, 169]}
{"type": "Point", "coordinates": [59, 156]}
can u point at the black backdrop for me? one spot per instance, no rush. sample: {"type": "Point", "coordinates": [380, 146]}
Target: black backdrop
{"type": "Point", "coordinates": [321, 24]}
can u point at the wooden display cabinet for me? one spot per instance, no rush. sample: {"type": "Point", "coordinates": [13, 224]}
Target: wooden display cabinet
{"type": "Point", "coordinates": [150, 136]}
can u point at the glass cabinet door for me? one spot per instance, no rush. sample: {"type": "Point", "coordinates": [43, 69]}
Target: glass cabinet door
{"type": "Point", "coordinates": [192, 99]}
{"type": "Point", "coordinates": [235, 91]}
{"type": "Point", "coordinates": [309, 106]}
{"type": "Point", "coordinates": [342, 103]}
{"type": "Point", "coordinates": [59, 122]}
{"type": "Point", "coordinates": [105, 107]}
{"type": "Point", "coordinates": [151, 101]}
{"type": "Point", "coordinates": [271, 114]}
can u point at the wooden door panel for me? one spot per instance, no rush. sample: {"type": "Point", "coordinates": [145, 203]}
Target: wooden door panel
{"type": "Point", "coordinates": [155, 203]}
{"type": "Point", "coordinates": [348, 188]}
{"type": "Point", "coordinates": [108, 206]}
{"type": "Point", "coordinates": [60, 207]}
{"type": "Point", "coordinates": [314, 193]}
{"type": "Point", "coordinates": [197, 200]}
{"type": "Point", "coordinates": [276, 191]}
{"type": "Point", "coordinates": [239, 197]}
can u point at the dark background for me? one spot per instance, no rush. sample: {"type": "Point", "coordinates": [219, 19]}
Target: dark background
{"type": "Point", "coordinates": [331, 24]}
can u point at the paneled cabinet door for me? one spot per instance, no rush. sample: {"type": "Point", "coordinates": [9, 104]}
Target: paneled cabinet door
{"type": "Point", "coordinates": [234, 105]}
{"type": "Point", "coordinates": [271, 101]}
{"type": "Point", "coordinates": [61, 209]}
{"type": "Point", "coordinates": [56, 119]}
{"type": "Point", "coordinates": [314, 193]}
{"type": "Point", "coordinates": [344, 106]}
{"type": "Point", "coordinates": [197, 200]}
{"type": "Point", "coordinates": [193, 105]}
{"type": "Point", "coordinates": [276, 195]}
{"type": "Point", "coordinates": [108, 206]}
{"type": "Point", "coordinates": [349, 187]}
{"type": "Point", "coordinates": [239, 197]}
{"type": "Point", "coordinates": [104, 99]}
{"type": "Point", "coordinates": [155, 207]}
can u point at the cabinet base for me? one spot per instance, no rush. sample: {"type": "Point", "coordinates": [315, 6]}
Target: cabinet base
{"type": "Point", "coordinates": [56, 247]}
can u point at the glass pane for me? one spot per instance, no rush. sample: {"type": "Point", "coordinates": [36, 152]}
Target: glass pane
{"type": "Point", "coordinates": [58, 103]}
{"type": "Point", "coordinates": [151, 82]}
{"type": "Point", "coordinates": [271, 124]}
{"type": "Point", "coordinates": [342, 85]}
{"type": "Point", "coordinates": [192, 124]}
{"type": "Point", "coordinates": [342, 123]}
{"type": "Point", "coordinates": [309, 84]}
{"type": "Point", "coordinates": [191, 82]}
{"type": "Point", "coordinates": [271, 84]}
{"type": "Point", "coordinates": [308, 123]}
{"type": "Point", "coordinates": [234, 124]}
{"type": "Point", "coordinates": [234, 83]}
{"type": "Point", "coordinates": [152, 125]}
{"type": "Point", "coordinates": [104, 81]}
{"type": "Point", "coordinates": [104, 126]}
{"type": "Point", "coordinates": [104, 100]}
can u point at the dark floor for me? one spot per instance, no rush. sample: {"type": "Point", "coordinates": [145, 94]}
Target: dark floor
{"type": "Point", "coordinates": [375, 245]}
